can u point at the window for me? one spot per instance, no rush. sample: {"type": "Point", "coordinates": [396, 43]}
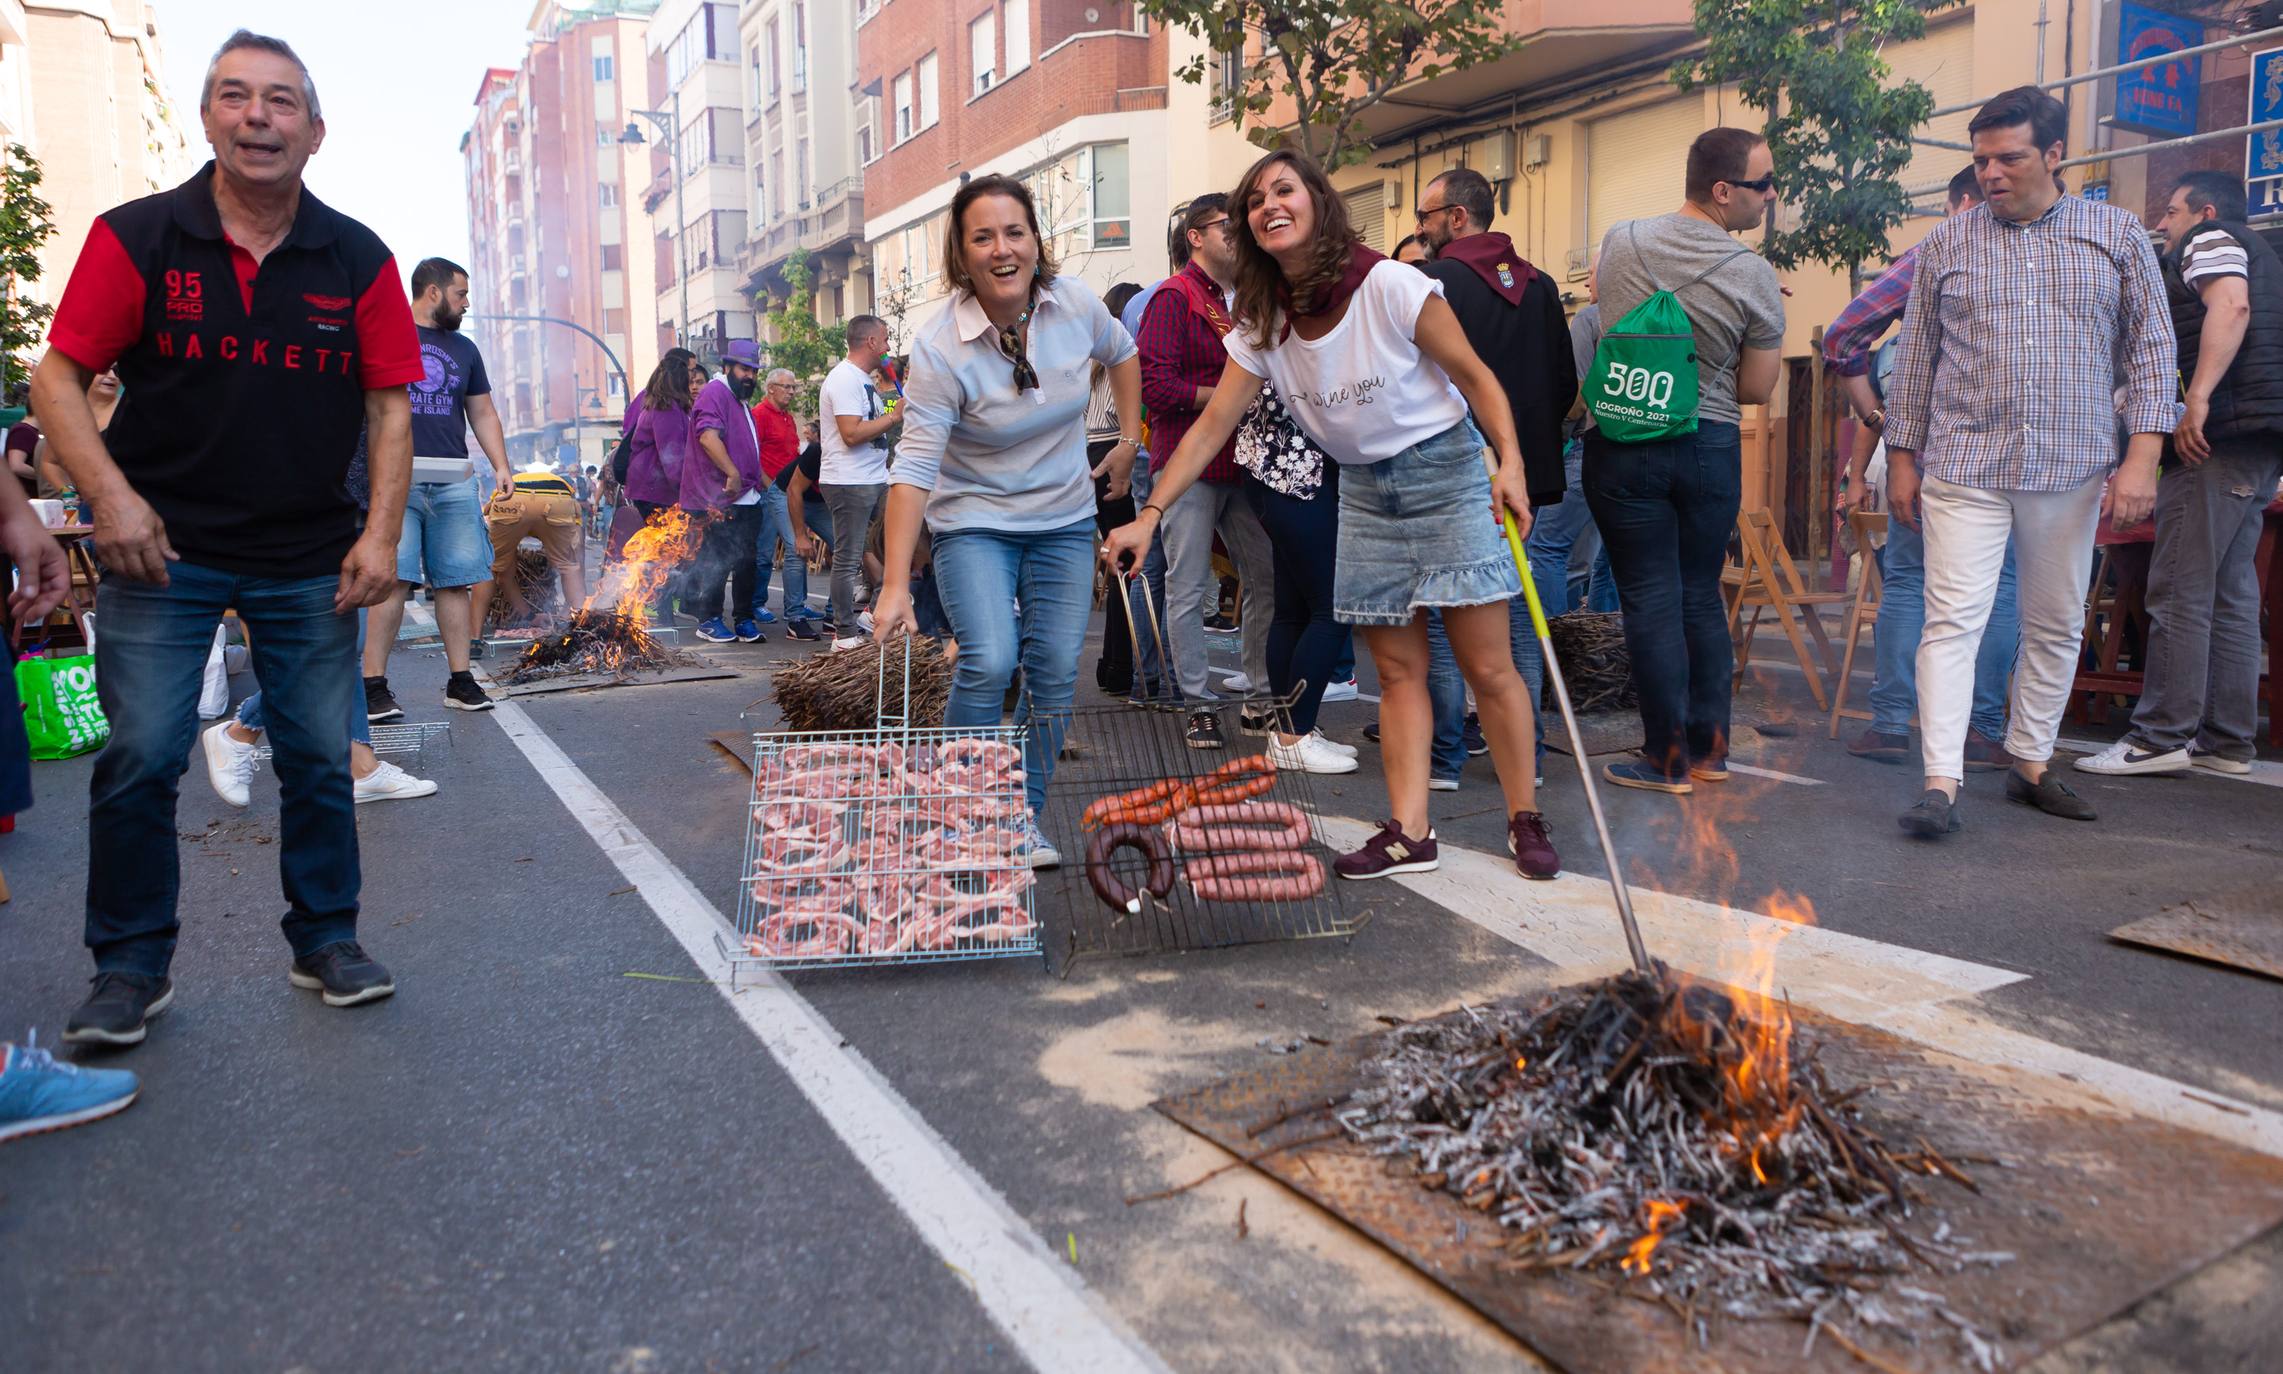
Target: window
{"type": "Point", "coordinates": [606, 135]}
{"type": "Point", "coordinates": [1112, 210]}
{"type": "Point", "coordinates": [929, 108]}
{"type": "Point", "coordinates": [776, 62]}
{"type": "Point", "coordinates": [603, 70]}
{"type": "Point", "coordinates": [776, 183]}
{"type": "Point", "coordinates": [983, 52]}
{"type": "Point", "coordinates": [1018, 26]}
{"type": "Point", "coordinates": [1228, 80]}
{"type": "Point", "coordinates": [608, 191]}
{"type": "Point", "coordinates": [728, 234]}
{"type": "Point", "coordinates": [613, 257]}
{"type": "Point", "coordinates": [801, 188]}
{"type": "Point", "coordinates": [1943, 62]}
{"type": "Point", "coordinates": [711, 35]}
{"type": "Point", "coordinates": [903, 95]}
{"type": "Point", "coordinates": [1367, 211]}
{"type": "Point", "coordinates": [613, 322]}
{"type": "Point", "coordinates": [800, 46]}
{"type": "Point", "coordinates": [867, 129]}
{"type": "Point", "coordinates": [1635, 162]}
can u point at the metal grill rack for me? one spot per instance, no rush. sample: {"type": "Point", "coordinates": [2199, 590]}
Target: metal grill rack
{"type": "Point", "coordinates": [894, 845]}
{"type": "Point", "coordinates": [401, 737]}
{"type": "Point", "coordinates": [1116, 751]}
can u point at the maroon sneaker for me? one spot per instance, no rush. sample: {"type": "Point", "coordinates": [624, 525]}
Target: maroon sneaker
{"type": "Point", "coordinates": [1388, 853]}
{"type": "Point", "coordinates": [1985, 755]}
{"type": "Point", "coordinates": [1532, 846]}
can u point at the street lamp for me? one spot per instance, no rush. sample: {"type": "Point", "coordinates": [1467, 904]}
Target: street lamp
{"type": "Point", "coordinates": [669, 123]}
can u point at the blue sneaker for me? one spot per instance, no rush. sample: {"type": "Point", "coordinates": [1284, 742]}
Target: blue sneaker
{"type": "Point", "coordinates": [716, 631]}
{"type": "Point", "coordinates": [38, 1094]}
{"type": "Point", "coordinates": [1034, 849]}
{"type": "Point", "coordinates": [802, 613]}
{"type": "Point", "coordinates": [765, 616]}
{"type": "Point", "coordinates": [749, 633]}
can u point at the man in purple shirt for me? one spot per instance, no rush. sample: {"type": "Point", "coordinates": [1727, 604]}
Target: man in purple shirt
{"type": "Point", "coordinates": [726, 489]}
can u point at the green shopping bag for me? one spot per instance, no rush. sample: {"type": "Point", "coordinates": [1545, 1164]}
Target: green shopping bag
{"type": "Point", "coordinates": [61, 712]}
{"type": "Point", "coordinates": [1643, 385]}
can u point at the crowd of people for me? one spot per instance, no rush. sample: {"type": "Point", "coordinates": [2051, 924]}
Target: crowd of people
{"type": "Point", "coordinates": [1345, 433]}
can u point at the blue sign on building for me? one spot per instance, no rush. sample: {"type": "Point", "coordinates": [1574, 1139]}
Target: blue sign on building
{"type": "Point", "coordinates": [2158, 99]}
{"type": "Point", "coordinates": [2263, 152]}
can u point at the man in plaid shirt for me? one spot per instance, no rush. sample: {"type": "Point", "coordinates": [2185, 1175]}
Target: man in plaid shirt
{"type": "Point", "coordinates": [2001, 386]}
{"type": "Point", "coordinates": [1902, 563]}
{"type": "Point", "coordinates": [1182, 358]}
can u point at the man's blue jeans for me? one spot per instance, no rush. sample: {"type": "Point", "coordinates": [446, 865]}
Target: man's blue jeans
{"type": "Point", "coordinates": [148, 660]}
{"type": "Point", "coordinates": [251, 715]}
{"type": "Point", "coordinates": [1447, 689]}
{"type": "Point", "coordinates": [776, 526]}
{"type": "Point", "coordinates": [819, 521]}
{"type": "Point", "coordinates": [981, 575]}
{"type": "Point", "coordinates": [1902, 617]}
{"type": "Point", "coordinates": [1555, 532]}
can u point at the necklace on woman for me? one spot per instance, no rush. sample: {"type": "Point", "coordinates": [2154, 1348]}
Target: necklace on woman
{"type": "Point", "coordinates": [1011, 347]}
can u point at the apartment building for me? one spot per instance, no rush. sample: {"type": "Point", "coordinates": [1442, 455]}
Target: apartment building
{"type": "Point", "coordinates": [696, 196]}
{"type": "Point", "coordinates": [1070, 94]}
{"type": "Point", "coordinates": [88, 96]}
{"type": "Point", "coordinates": [555, 233]}
{"type": "Point", "coordinates": [808, 133]}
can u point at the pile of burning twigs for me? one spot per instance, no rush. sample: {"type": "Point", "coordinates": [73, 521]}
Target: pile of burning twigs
{"type": "Point", "coordinates": [594, 642]}
{"type": "Point", "coordinates": [1658, 1129]}
{"type": "Point", "coordinates": [842, 690]}
{"type": "Point", "coordinates": [1596, 666]}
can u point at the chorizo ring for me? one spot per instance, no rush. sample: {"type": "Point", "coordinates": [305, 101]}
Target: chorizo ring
{"type": "Point", "coordinates": [1239, 826]}
{"type": "Point", "coordinates": [1114, 891]}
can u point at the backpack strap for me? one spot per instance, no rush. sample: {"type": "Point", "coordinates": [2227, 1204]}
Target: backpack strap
{"type": "Point", "coordinates": [1643, 263]}
{"type": "Point", "coordinates": [1722, 261]}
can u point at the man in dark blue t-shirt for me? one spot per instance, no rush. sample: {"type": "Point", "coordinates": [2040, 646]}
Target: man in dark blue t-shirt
{"type": "Point", "coordinates": [445, 542]}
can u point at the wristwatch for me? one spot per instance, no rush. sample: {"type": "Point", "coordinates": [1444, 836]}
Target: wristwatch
{"type": "Point", "coordinates": [1877, 419]}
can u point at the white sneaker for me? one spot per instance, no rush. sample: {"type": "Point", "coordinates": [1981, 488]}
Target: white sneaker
{"type": "Point", "coordinates": [1329, 743]}
{"type": "Point", "coordinates": [1239, 683]}
{"type": "Point", "coordinates": [1341, 691]}
{"type": "Point", "coordinates": [387, 782]}
{"type": "Point", "coordinates": [852, 642]}
{"type": "Point", "coordinates": [1313, 754]}
{"type": "Point", "coordinates": [2218, 763]}
{"type": "Point", "coordinates": [229, 764]}
{"type": "Point", "coordinates": [2124, 757]}
{"type": "Point", "coordinates": [1435, 784]}
{"type": "Point", "coordinates": [864, 621]}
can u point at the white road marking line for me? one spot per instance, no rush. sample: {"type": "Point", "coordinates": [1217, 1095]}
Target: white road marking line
{"type": "Point", "coordinates": [1916, 994]}
{"type": "Point", "coordinates": [1750, 771]}
{"type": "Point", "coordinates": [1026, 1289]}
{"type": "Point", "coordinates": [2262, 772]}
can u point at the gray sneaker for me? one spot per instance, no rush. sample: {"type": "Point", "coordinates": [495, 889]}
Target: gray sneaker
{"type": "Point", "coordinates": [1035, 849]}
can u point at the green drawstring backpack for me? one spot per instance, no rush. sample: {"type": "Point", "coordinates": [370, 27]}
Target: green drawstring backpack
{"type": "Point", "coordinates": [1642, 386]}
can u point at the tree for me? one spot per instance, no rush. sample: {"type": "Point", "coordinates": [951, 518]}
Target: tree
{"type": "Point", "coordinates": [1839, 132]}
{"type": "Point", "coordinates": [1333, 59]}
{"type": "Point", "coordinates": [24, 227]}
{"type": "Point", "coordinates": [800, 344]}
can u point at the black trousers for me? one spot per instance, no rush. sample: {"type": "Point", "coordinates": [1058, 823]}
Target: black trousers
{"type": "Point", "coordinates": [1114, 672]}
{"type": "Point", "coordinates": [732, 542]}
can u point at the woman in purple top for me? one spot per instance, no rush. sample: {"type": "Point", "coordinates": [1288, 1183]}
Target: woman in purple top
{"type": "Point", "coordinates": [658, 435]}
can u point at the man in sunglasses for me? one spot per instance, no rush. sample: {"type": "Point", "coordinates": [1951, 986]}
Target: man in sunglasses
{"type": "Point", "coordinates": [1667, 507]}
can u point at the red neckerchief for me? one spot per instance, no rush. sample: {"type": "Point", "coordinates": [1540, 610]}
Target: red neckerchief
{"type": "Point", "coordinates": [1493, 258]}
{"type": "Point", "coordinates": [1360, 262]}
{"type": "Point", "coordinates": [1203, 294]}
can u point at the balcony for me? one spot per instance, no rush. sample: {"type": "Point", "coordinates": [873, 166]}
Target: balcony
{"type": "Point", "coordinates": [835, 220]}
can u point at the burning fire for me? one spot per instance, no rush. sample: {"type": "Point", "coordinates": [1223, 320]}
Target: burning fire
{"type": "Point", "coordinates": [666, 541]}
{"type": "Point", "coordinates": [1659, 1216]}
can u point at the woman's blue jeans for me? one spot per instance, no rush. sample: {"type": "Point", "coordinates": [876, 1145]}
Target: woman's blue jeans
{"type": "Point", "coordinates": [984, 576]}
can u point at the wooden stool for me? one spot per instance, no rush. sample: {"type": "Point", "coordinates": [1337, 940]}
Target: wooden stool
{"type": "Point", "coordinates": [1768, 580]}
{"type": "Point", "coordinates": [1869, 590]}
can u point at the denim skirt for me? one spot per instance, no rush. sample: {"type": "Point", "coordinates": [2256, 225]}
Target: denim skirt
{"type": "Point", "coordinates": [1415, 531]}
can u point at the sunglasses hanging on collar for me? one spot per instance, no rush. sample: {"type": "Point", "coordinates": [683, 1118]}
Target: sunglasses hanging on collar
{"type": "Point", "coordinates": [1011, 348]}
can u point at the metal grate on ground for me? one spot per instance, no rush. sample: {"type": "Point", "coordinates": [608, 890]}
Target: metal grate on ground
{"type": "Point", "coordinates": [1265, 873]}
{"type": "Point", "coordinates": [396, 738]}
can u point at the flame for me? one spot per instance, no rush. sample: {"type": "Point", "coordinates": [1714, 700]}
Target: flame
{"type": "Point", "coordinates": [666, 540]}
{"type": "Point", "coordinates": [1520, 1064]}
{"type": "Point", "coordinates": [1659, 1217]}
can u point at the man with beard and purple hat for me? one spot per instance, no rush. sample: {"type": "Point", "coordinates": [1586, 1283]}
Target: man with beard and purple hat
{"type": "Point", "coordinates": [725, 488]}
{"type": "Point", "coordinates": [1512, 314]}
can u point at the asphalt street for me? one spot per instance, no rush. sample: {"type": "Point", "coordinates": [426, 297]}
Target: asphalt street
{"type": "Point", "coordinates": [564, 1146]}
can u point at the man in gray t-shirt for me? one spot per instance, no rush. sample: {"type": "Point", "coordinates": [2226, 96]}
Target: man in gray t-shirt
{"type": "Point", "coordinates": [1736, 305]}
{"type": "Point", "coordinates": [1666, 508]}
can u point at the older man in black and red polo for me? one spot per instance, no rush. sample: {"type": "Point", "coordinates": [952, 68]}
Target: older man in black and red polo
{"type": "Point", "coordinates": [256, 330]}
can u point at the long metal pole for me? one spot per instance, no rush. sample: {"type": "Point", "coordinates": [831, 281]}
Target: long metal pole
{"type": "Point", "coordinates": [567, 324]}
{"type": "Point", "coordinates": [681, 221]}
{"type": "Point", "coordinates": [2237, 41]}
{"type": "Point", "coordinates": [1633, 945]}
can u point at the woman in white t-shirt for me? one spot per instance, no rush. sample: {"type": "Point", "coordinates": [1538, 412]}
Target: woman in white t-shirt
{"type": "Point", "coordinates": [1373, 366]}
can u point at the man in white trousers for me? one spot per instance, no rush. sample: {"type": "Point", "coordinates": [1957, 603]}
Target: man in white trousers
{"type": "Point", "coordinates": [2027, 315]}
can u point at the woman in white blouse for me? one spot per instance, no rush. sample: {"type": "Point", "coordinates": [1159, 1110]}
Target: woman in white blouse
{"type": "Point", "coordinates": [1373, 367]}
{"type": "Point", "coordinates": [994, 457]}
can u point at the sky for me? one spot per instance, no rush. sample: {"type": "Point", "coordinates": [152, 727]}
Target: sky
{"type": "Point", "coordinates": [397, 84]}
